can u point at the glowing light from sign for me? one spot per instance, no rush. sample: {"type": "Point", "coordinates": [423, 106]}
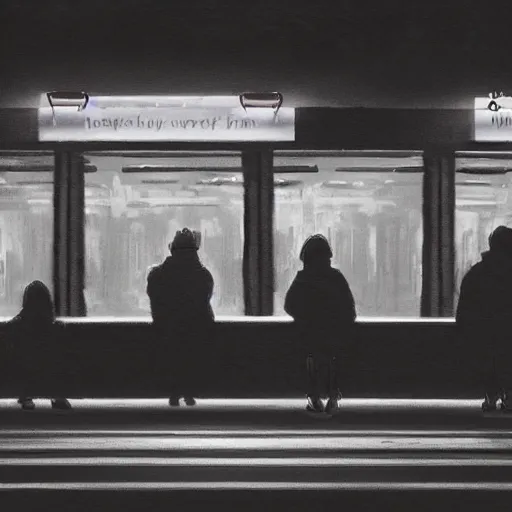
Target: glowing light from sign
{"type": "Point", "coordinates": [166, 118]}
{"type": "Point", "coordinates": [493, 118]}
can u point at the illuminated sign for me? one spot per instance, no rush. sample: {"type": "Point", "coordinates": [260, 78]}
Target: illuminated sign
{"type": "Point", "coordinates": [493, 118]}
{"type": "Point", "coordinates": [163, 118]}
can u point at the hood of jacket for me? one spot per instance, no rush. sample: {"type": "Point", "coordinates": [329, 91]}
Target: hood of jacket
{"type": "Point", "coordinates": [317, 278]}
{"type": "Point", "coordinates": [183, 258]}
{"type": "Point", "coordinates": [497, 262]}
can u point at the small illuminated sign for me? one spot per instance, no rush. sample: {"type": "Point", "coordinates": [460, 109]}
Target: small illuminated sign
{"type": "Point", "coordinates": [493, 118]}
{"type": "Point", "coordinates": [164, 118]}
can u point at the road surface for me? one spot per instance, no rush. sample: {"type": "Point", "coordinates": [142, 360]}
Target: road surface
{"type": "Point", "coordinates": [221, 449]}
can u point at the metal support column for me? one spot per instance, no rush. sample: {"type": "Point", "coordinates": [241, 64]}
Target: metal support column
{"type": "Point", "coordinates": [69, 246]}
{"type": "Point", "coordinates": [258, 265]}
{"type": "Point", "coordinates": [447, 202]}
{"type": "Point", "coordinates": [77, 237]}
{"type": "Point", "coordinates": [438, 240]}
{"type": "Point", "coordinates": [267, 232]}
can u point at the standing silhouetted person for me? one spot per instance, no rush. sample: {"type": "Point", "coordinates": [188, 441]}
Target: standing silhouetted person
{"type": "Point", "coordinates": [484, 313]}
{"type": "Point", "coordinates": [180, 290]}
{"type": "Point", "coordinates": [322, 305]}
{"type": "Point", "coordinates": [33, 342]}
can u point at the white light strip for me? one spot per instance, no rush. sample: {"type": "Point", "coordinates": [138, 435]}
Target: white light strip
{"type": "Point", "coordinates": [257, 433]}
{"type": "Point", "coordinates": [283, 319]}
{"type": "Point", "coordinates": [150, 101]}
{"type": "Point", "coordinates": [278, 405]}
{"type": "Point", "coordinates": [164, 101]}
{"type": "Point", "coordinates": [275, 404]}
{"type": "Point", "coordinates": [280, 462]}
{"type": "Point", "coordinates": [271, 101]}
{"type": "Point", "coordinates": [255, 486]}
{"type": "Point", "coordinates": [282, 444]}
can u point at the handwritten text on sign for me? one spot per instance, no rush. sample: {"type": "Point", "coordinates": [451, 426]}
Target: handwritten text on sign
{"type": "Point", "coordinates": [492, 126]}
{"type": "Point", "coordinates": [166, 124]}
{"type": "Point", "coordinates": [141, 122]}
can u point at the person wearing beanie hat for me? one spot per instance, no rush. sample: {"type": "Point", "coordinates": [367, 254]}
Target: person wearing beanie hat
{"type": "Point", "coordinates": [185, 240]}
{"type": "Point", "coordinates": [484, 316]}
{"type": "Point", "coordinates": [323, 308]}
{"type": "Point", "coordinates": [180, 290]}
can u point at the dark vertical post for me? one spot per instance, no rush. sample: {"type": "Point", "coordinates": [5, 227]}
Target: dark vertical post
{"type": "Point", "coordinates": [431, 218]}
{"type": "Point", "coordinates": [251, 238]}
{"type": "Point", "coordinates": [438, 233]}
{"type": "Point", "coordinates": [267, 232]}
{"type": "Point", "coordinates": [68, 260]}
{"type": "Point", "coordinates": [258, 267]}
{"type": "Point", "coordinates": [447, 242]}
{"type": "Point", "coordinates": [77, 236]}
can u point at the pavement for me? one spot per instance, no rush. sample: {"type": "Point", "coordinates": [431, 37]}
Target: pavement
{"type": "Point", "coordinates": [369, 449]}
{"type": "Point", "coordinates": [139, 415]}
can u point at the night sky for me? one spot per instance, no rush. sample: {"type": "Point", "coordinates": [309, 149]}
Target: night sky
{"type": "Point", "coordinates": [340, 53]}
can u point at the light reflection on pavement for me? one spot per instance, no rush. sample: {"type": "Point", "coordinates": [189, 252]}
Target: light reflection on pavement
{"type": "Point", "coordinates": [254, 444]}
{"type": "Point", "coordinates": [143, 416]}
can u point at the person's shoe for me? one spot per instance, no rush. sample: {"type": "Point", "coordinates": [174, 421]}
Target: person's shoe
{"type": "Point", "coordinates": [506, 402]}
{"type": "Point", "coordinates": [332, 406]}
{"type": "Point", "coordinates": [315, 405]}
{"type": "Point", "coordinates": [489, 404]}
{"type": "Point", "coordinates": [174, 401]}
{"type": "Point", "coordinates": [27, 404]}
{"type": "Point", "coordinates": [61, 404]}
{"type": "Point", "coordinates": [190, 401]}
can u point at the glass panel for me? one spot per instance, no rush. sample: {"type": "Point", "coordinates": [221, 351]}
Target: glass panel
{"type": "Point", "coordinates": [370, 210]}
{"type": "Point", "coordinates": [483, 201]}
{"type": "Point", "coordinates": [26, 225]}
{"type": "Point", "coordinates": [134, 205]}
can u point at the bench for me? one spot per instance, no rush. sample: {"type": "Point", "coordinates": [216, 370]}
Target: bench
{"type": "Point", "coordinates": [258, 357]}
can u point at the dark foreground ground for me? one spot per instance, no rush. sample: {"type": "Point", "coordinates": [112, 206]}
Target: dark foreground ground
{"type": "Point", "coordinates": [254, 455]}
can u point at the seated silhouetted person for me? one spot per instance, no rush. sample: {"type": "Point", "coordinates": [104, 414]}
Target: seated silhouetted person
{"type": "Point", "coordinates": [484, 315]}
{"type": "Point", "coordinates": [33, 343]}
{"type": "Point", "coordinates": [322, 305]}
{"type": "Point", "coordinates": [180, 290]}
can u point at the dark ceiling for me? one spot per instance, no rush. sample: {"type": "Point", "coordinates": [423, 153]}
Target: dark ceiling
{"type": "Point", "coordinates": [324, 52]}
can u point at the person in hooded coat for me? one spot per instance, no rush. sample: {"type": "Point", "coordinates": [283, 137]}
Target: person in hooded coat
{"type": "Point", "coordinates": [32, 339]}
{"type": "Point", "coordinates": [180, 290]}
{"type": "Point", "coordinates": [322, 305]}
{"type": "Point", "coordinates": [484, 314]}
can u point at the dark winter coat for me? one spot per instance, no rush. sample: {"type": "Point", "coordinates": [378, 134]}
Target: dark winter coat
{"type": "Point", "coordinates": [34, 352]}
{"type": "Point", "coordinates": [35, 348]}
{"type": "Point", "coordinates": [322, 305]}
{"type": "Point", "coordinates": [180, 290]}
{"type": "Point", "coordinates": [484, 312]}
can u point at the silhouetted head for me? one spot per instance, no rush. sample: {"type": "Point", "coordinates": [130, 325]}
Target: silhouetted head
{"type": "Point", "coordinates": [185, 240]}
{"type": "Point", "coordinates": [500, 240]}
{"type": "Point", "coordinates": [316, 251]}
{"type": "Point", "coordinates": [37, 303]}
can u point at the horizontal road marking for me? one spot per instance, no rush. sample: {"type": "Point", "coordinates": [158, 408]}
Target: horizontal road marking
{"type": "Point", "coordinates": [259, 403]}
{"type": "Point", "coordinates": [253, 433]}
{"type": "Point", "coordinates": [254, 486]}
{"type": "Point", "coordinates": [180, 443]}
{"type": "Point", "coordinates": [256, 462]}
